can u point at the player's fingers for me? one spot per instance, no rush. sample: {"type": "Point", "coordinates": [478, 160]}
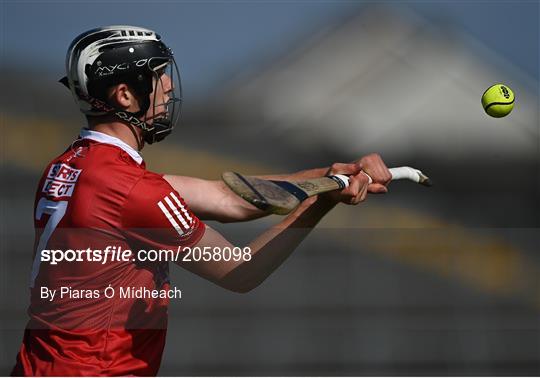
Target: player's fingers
{"type": "Point", "coordinates": [361, 181]}
{"type": "Point", "coordinates": [352, 190]}
{"type": "Point", "coordinates": [345, 168]}
{"type": "Point", "coordinates": [377, 188]}
{"type": "Point", "coordinates": [376, 168]}
{"type": "Point", "coordinates": [387, 176]}
{"type": "Point", "coordinates": [351, 168]}
{"type": "Point", "coordinates": [383, 174]}
{"type": "Point", "coordinates": [361, 196]}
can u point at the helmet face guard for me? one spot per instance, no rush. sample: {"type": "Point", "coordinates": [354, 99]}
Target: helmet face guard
{"type": "Point", "coordinates": [104, 57]}
{"type": "Point", "coordinates": [164, 114]}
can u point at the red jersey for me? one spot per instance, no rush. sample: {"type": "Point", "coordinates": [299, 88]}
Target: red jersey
{"type": "Point", "coordinates": [95, 195]}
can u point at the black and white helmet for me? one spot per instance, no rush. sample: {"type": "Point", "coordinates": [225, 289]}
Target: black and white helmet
{"type": "Point", "coordinates": [102, 57]}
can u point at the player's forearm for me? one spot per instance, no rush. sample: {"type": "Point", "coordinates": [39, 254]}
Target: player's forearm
{"type": "Point", "coordinates": [232, 208]}
{"type": "Point", "coordinates": [213, 200]}
{"type": "Point", "coordinates": [274, 246]}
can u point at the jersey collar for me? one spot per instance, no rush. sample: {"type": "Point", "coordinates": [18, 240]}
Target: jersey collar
{"type": "Point", "coordinates": [109, 139]}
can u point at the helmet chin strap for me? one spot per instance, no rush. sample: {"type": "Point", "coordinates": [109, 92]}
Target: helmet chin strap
{"type": "Point", "coordinates": [138, 138]}
{"type": "Point", "coordinates": [131, 119]}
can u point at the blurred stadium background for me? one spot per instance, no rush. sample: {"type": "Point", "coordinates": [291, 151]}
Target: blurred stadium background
{"type": "Point", "coordinates": [438, 281]}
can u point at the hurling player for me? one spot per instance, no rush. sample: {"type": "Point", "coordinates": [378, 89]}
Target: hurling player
{"type": "Point", "coordinates": [98, 193]}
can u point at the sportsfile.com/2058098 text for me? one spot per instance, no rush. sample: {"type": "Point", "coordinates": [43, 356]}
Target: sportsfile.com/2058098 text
{"type": "Point", "coordinates": [117, 254]}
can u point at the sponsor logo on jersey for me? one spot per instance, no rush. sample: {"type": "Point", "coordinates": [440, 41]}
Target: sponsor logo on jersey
{"type": "Point", "coordinates": [177, 214]}
{"type": "Point", "coordinates": [61, 180]}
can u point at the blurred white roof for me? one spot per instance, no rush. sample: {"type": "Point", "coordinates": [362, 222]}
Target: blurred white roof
{"type": "Point", "coordinates": [388, 81]}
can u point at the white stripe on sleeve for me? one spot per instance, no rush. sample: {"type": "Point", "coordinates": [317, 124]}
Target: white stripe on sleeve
{"type": "Point", "coordinates": [186, 213]}
{"type": "Point", "coordinates": [178, 215]}
{"type": "Point", "coordinates": [170, 218]}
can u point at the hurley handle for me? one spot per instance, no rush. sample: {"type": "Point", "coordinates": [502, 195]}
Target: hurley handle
{"type": "Point", "coordinates": [398, 173]}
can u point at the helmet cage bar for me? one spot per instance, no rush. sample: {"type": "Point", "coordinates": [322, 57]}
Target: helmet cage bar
{"type": "Point", "coordinates": [162, 125]}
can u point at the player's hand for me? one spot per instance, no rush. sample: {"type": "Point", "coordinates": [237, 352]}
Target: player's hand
{"type": "Point", "coordinates": [374, 166]}
{"type": "Point", "coordinates": [357, 190]}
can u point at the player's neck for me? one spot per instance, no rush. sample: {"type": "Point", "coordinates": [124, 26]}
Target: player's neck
{"type": "Point", "coordinates": [117, 130]}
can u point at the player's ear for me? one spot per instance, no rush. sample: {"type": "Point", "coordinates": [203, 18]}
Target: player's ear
{"type": "Point", "coordinates": [122, 96]}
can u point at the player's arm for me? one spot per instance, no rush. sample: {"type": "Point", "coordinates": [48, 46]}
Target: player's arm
{"type": "Point", "coordinates": [213, 200]}
{"type": "Point", "coordinates": [269, 250]}
{"type": "Point", "coordinates": [155, 216]}
{"type": "Point", "coordinates": [372, 164]}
